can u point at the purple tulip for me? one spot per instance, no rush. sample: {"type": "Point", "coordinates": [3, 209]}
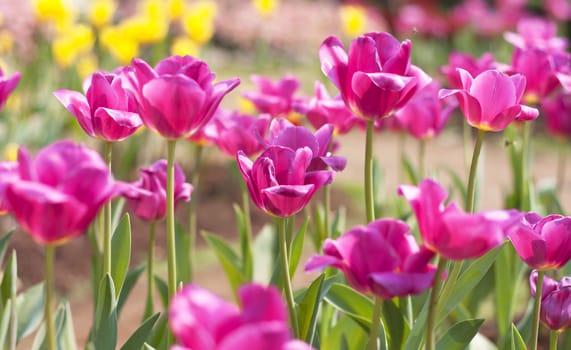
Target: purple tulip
{"type": "Point", "coordinates": [543, 243]}
{"type": "Point", "coordinates": [7, 85]}
{"type": "Point", "coordinates": [178, 97]}
{"type": "Point", "coordinates": [273, 98]}
{"type": "Point", "coordinates": [106, 111]}
{"type": "Point", "coordinates": [555, 301]}
{"type": "Point", "coordinates": [472, 65]}
{"type": "Point", "coordinates": [148, 199]}
{"type": "Point", "coordinates": [279, 181]}
{"type": "Point", "coordinates": [382, 258]}
{"type": "Point", "coordinates": [557, 113]}
{"type": "Point", "coordinates": [60, 191]}
{"type": "Point", "coordinates": [201, 320]}
{"type": "Point", "coordinates": [491, 100]}
{"type": "Point", "coordinates": [375, 77]}
{"type": "Point", "coordinates": [449, 231]}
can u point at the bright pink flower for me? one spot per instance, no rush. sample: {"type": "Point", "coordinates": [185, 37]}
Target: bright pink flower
{"type": "Point", "coordinates": [424, 116]}
{"type": "Point", "coordinates": [201, 320]}
{"type": "Point", "coordinates": [449, 231]}
{"type": "Point", "coordinates": [148, 199]}
{"type": "Point", "coordinates": [382, 258]}
{"type": "Point", "coordinates": [279, 180]}
{"type": "Point", "coordinates": [178, 97]}
{"type": "Point", "coordinates": [558, 9]}
{"type": "Point", "coordinates": [233, 132]}
{"type": "Point", "coordinates": [557, 113]}
{"type": "Point", "coordinates": [60, 191]}
{"type": "Point", "coordinates": [273, 98]}
{"type": "Point", "coordinates": [106, 111]}
{"type": "Point", "coordinates": [536, 33]}
{"type": "Point", "coordinates": [491, 100]}
{"type": "Point", "coordinates": [543, 243]}
{"type": "Point", "coordinates": [472, 65]}
{"type": "Point", "coordinates": [375, 77]}
{"type": "Point", "coordinates": [414, 18]}
{"type": "Point", "coordinates": [555, 301]}
{"type": "Point", "coordinates": [322, 109]}
{"type": "Point", "coordinates": [8, 172]}
{"type": "Point", "coordinates": [7, 85]}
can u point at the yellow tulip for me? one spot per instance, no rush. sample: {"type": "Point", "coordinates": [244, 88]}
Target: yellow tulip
{"type": "Point", "coordinates": [68, 46]}
{"type": "Point", "coordinates": [6, 41]}
{"type": "Point", "coordinates": [86, 65]}
{"type": "Point", "coordinates": [119, 45]}
{"type": "Point", "coordinates": [183, 45]}
{"type": "Point", "coordinates": [198, 21]}
{"type": "Point", "coordinates": [101, 12]}
{"type": "Point", "coordinates": [60, 12]}
{"type": "Point", "coordinates": [176, 8]}
{"type": "Point", "coordinates": [265, 7]}
{"type": "Point", "coordinates": [145, 29]}
{"type": "Point", "coordinates": [353, 19]}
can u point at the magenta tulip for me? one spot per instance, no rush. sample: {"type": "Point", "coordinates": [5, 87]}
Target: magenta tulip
{"type": "Point", "coordinates": [8, 172]}
{"type": "Point", "coordinates": [106, 111]}
{"type": "Point", "coordinates": [558, 9]}
{"type": "Point", "coordinates": [382, 258]}
{"type": "Point", "coordinates": [148, 199]}
{"type": "Point", "coordinates": [279, 180]}
{"type": "Point", "coordinates": [472, 65]}
{"type": "Point", "coordinates": [60, 191]}
{"type": "Point", "coordinates": [557, 113]}
{"type": "Point", "coordinates": [538, 33]}
{"type": "Point", "coordinates": [201, 320]}
{"type": "Point", "coordinates": [178, 97]}
{"type": "Point", "coordinates": [375, 77]}
{"type": "Point", "coordinates": [273, 98]}
{"type": "Point", "coordinates": [7, 85]}
{"type": "Point", "coordinates": [491, 100]}
{"type": "Point", "coordinates": [449, 231]}
{"type": "Point", "coordinates": [555, 301]}
{"type": "Point", "coordinates": [543, 243]}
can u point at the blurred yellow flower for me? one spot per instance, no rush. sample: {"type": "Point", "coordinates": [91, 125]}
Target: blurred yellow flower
{"type": "Point", "coordinates": [183, 45]}
{"type": "Point", "coordinates": [265, 7]}
{"type": "Point", "coordinates": [175, 9]}
{"type": "Point", "coordinates": [246, 106]}
{"type": "Point", "coordinates": [353, 19]}
{"type": "Point", "coordinates": [6, 41]}
{"type": "Point", "coordinates": [60, 12]}
{"type": "Point", "coordinates": [198, 21]}
{"type": "Point", "coordinates": [145, 29]}
{"type": "Point", "coordinates": [120, 45]}
{"type": "Point", "coordinates": [154, 9]}
{"type": "Point", "coordinates": [11, 152]}
{"type": "Point", "coordinates": [86, 65]}
{"type": "Point", "coordinates": [101, 12]}
{"type": "Point", "coordinates": [68, 46]}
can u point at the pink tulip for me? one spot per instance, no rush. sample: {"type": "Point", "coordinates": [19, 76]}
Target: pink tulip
{"type": "Point", "coordinates": [491, 100]}
{"type": "Point", "coordinates": [148, 199]}
{"type": "Point", "coordinates": [382, 258]}
{"type": "Point", "coordinates": [279, 180]}
{"type": "Point", "coordinates": [536, 33]}
{"type": "Point", "coordinates": [178, 97]}
{"type": "Point", "coordinates": [60, 191]}
{"type": "Point", "coordinates": [555, 301]}
{"type": "Point", "coordinates": [425, 20]}
{"type": "Point", "coordinates": [449, 231]}
{"type": "Point", "coordinates": [7, 85]}
{"type": "Point", "coordinates": [375, 77]}
{"type": "Point", "coordinates": [472, 65]}
{"type": "Point", "coordinates": [106, 111]}
{"type": "Point", "coordinates": [558, 9]}
{"type": "Point", "coordinates": [557, 113]}
{"type": "Point", "coordinates": [543, 243]}
{"type": "Point", "coordinates": [201, 320]}
{"type": "Point", "coordinates": [8, 172]}
{"type": "Point", "coordinates": [273, 98]}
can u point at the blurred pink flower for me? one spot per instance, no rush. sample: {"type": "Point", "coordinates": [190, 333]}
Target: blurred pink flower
{"type": "Point", "coordinates": [557, 113]}
{"type": "Point", "coordinates": [558, 9]}
{"type": "Point", "coordinates": [8, 172]}
{"type": "Point", "coordinates": [555, 301]}
{"type": "Point", "coordinates": [472, 65]}
{"type": "Point", "coordinates": [536, 32]}
{"type": "Point", "coordinates": [273, 98]}
{"type": "Point", "coordinates": [7, 85]}
{"type": "Point", "coordinates": [414, 18]}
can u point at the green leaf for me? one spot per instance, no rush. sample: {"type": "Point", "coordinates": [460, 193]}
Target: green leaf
{"type": "Point", "coordinates": [182, 243]}
{"type": "Point", "coordinates": [245, 243]}
{"type": "Point", "coordinates": [117, 211]}
{"type": "Point", "coordinates": [65, 333]}
{"type": "Point", "coordinates": [105, 336]}
{"type": "Point", "coordinates": [352, 303]}
{"type": "Point", "coordinates": [121, 252]}
{"type": "Point", "coordinates": [508, 273]}
{"type": "Point", "coordinates": [459, 335]}
{"type": "Point", "coordinates": [229, 260]}
{"type": "Point", "coordinates": [308, 307]}
{"type": "Point", "coordinates": [517, 342]}
{"type": "Point", "coordinates": [148, 347]}
{"type": "Point", "coordinates": [265, 254]}
{"type": "Point", "coordinates": [4, 244]}
{"type": "Point", "coordinates": [346, 334]}
{"type": "Point", "coordinates": [30, 305]}
{"type": "Point", "coordinates": [139, 337]}
{"type": "Point", "coordinates": [158, 337]}
{"type": "Point", "coordinates": [297, 248]}
{"type": "Point", "coordinates": [130, 280]}
{"type": "Point", "coordinates": [396, 327]}
{"type": "Point", "coordinates": [9, 279]}
{"type": "Point", "coordinates": [163, 289]}
{"type": "Point", "coordinates": [458, 183]}
{"type": "Point", "coordinates": [4, 323]}
{"type": "Point", "coordinates": [409, 171]}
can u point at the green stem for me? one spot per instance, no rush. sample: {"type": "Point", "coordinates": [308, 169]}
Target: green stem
{"type": "Point", "coordinates": [192, 222]}
{"type": "Point", "coordinates": [247, 244]}
{"type": "Point", "coordinates": [171, 244]}
{"type": "Point", "coordinates": [149, 306]}
{"type": "Point", "coordinates": [369, 201]}
{"type": "Point", "coordinates": [525, 204]}
{"type": "Point", "coordinates": [107, 220]}
{"type": "Point", "coordinates": [375, 324]}
{"type": "Point", "coordinates": [288, 290]}
{"type": "Point", "coordinates": [474, 171]}
{"type": "Point", "coordinates": [49, 291]}
{"type": "Point", "coordinates": [553, 335]}
{"type": "Point", "coordinates": [536, 309]}
{"type": "Point", "coordinates": [433, 305]}
{"type": "Point", "coordinates": [326, 209]}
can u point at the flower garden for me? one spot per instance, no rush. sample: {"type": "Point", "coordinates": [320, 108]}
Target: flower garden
{"type": "Point", "coordinates": [120, 120]}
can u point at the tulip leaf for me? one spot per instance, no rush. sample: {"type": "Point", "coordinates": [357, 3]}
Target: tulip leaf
{"type": "Point", "coordinates": [459, 335]}
{"type": "Point", "coordinates": [182, 243]}
{"type": "Point", "coordinates": [352, 303]}
{"type": "Point", "coordinates": [245, 243]}
{"type": "Point", "coordinates": [458, 183]}
{"type": "Point", "coordinates": [5, 322]}
{"type": "Point", "coordinates": [308, 305]}
{"type": "Point", "coordinates": [148, 347]}
{"type": "Point", "coordinates": [230, 261]}
{"type": "Point", "coordinates": [121, 252]}
{"type": "Point", "coordinates": [139, 337]}
{"type": "Point", "coordinates": [158, 336]}
{"type": "Point", "coordinates": [105, 335]}
{"type": "Point", "coordinates": [346, 334]}
{"type": "Point", "coordinates": [517, 342]}
{"type": "Point", "coordinates": [9, 279]}
{"type": "Point", "coordinates": [4, 240]}
{"type": "Point", "coordinates": [65, 334]}
{"type": "Point", "coordinates": [30, 306]}
{"type": "Point", "coordinates": [395, 325]}
{"type": "Point", "coordinates": [163, 289]}
{"type": "Point", "coordinates": [297, 248]}
{"type": "Point", "coordinates": [264, 254]}
{"type": "Point", "coordinates": [130, 280]}
{"type": "Point", "coordinates": [408, 168]}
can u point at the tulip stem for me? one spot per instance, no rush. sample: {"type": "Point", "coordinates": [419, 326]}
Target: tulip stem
{"type": "Point", "coordinates": [525, 204]}
{"type": "Point", "coordinates": [192, 222]}
{"type": "Point", "coordinates": [421, 158]}
{"type": "Point", "coordinates": [433, 305]}
{"type": "Point", "coordinates": [246, 245]}
{"type": "Point", "coordinates": [150, 272]}
{"type": "Point", "coordinates": [473, 172]}
{"type": "Point", "coordinates": [49, 290]}
{"type": "Point", "coordinates": [288, 290]}
{"type": "Point", "coordinates": [107, 220]}
{"type": "Point", "coordinates": [369, 201]}
{"type": "Point", "coordinates": [553, 335]}
{"type": "Point", "coordinates": [375, 324]}
{"type": "Point", "coordinates": [171, 247]}
{"type": "Point", "coordinates": [537, 310]}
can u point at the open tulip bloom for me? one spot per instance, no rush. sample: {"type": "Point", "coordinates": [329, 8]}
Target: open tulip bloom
{"type": "Point", "coordinates": [555, 301]}
{"type": "Point", "coordinates": [273, 98]}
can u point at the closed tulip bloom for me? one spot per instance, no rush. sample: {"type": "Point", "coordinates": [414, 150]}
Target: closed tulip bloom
{"type": "Point", "coordinates": [201, 320]}
{"type": "Point", "coordinates": [178, 96]}
{"type": "Point", "coordinates": [375, 77]}
{"type": "Point", "coordinates": [60, 191]}
{"type": "Point", "coordinates": [7, 85]}
{"type": "Point", "coordinates": [148, 199]}
{"type": "Point", "coordinates": [491, 100]}
{"type": "Point", "coordinates": [555, 301]}
{"type": "Point", "coordinates": [449, 231]}
{"type": "Point", "coordinates": [557, 113]}
{"type": "Point", "coordinates": [273, 98]}
{"type": "Point", "coordinates": [543, 243]}
{"type": "Point", "coordinates": [8, 172]}
{"type": "Point", "coordinates": [279, 180]}
{"type": "Point", "coordinates": [107, 111]}
{"type": "Point", "coordinates": [471, 64]}
{"type": "Point", "coordinates": [381, 258]}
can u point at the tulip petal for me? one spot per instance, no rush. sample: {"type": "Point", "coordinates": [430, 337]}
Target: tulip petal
{"type": "Point", "coordinates": [77, 105]}
{"type": "Point", "coordinates": [286, 200]}
{"type": "Point", "coordinates": [114, 125]}
{"type": "Point", "coordinates": [494, 91]}
{"type": "Point", "coordinates": [334, 60]}
{"type": "Point", "coordinates": [261, 304]}
{"type": "Point", "coordinates": [557, 235]}
{"type": "Point", "coordinates": [388, 285]}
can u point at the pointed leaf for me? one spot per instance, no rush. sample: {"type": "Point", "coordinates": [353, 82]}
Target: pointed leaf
{"type": "Point", "coordinates": [297, 248]}
{"type": "Point", "coordinates": [409, 171]}
{"type": "Point", "coordinates": [65, 335]}
{"type": "Point", "coordinates": [459, 336]}
{"type": "Point", "coordinates": [4, 240]}
{"type": "Point", "coordinates": [4, 323]}
{"type": "Point", "coordinates": [9, 279]}
{"type": "Point", "coordinates": [308, 307]}
{"type": "Point", "coordinates": [245, 243]}
{"type": "Point", "coordinates": [163, 289]}
{"type": "Point", "coordinates": [30, 306]}
{"type": "Point", "coordinates": [265, 254]}
{"type": "Point", "coordinates": [121, 252]}
{"type": "Point", "coordinates": [517, 340]}
{"type": "Point", "coordinates": [130, 280]}
{"type": "Point", "coordinates": [139, 337]}
{"type": "Point", "coordinates": [158, 337]}
{"type": "Point", "coordinates": [229, 260]}
{"type": "Point", "coordinates": [396, 327]}
{"type": "Point", "coordinates": [181, 238]}
{"type": "Point", "coordinates": [105, 335]}
{"type": "Point", "coordinates": [352, 303]}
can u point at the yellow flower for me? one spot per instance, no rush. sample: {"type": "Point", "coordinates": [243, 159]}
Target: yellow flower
{"type": "Point", "coordinates": [198, 22]}
{"type": "Point", "coordinates": [175, 9]}
{"type": "Point", "coordinates": [154, 9]}
{"type": "Point", "coordinates": [86, 65]}
{"type": "Point", "coordinates": [119, 44]}
{"type": "Point", "coordinates": [265, 7]}
{"type": "Point", "coordinates": [145, 29]}
{"type": "Point", "coordinates": [101, 12]}
{"type": "Point", "coordinates": [11, 152]}
{"type": "Point", "coordinates": [6, 41]}
{"type": "Point", "coordinates": [68, 46]}
{"type": "Point", "coordinates": [183, 45]}
{"type": "Point", "coordinates": [60, 12]}
{"type": "Point", "coordinates": [353, 19]}
{"type": "Point", "coordinates": [246, 106]}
